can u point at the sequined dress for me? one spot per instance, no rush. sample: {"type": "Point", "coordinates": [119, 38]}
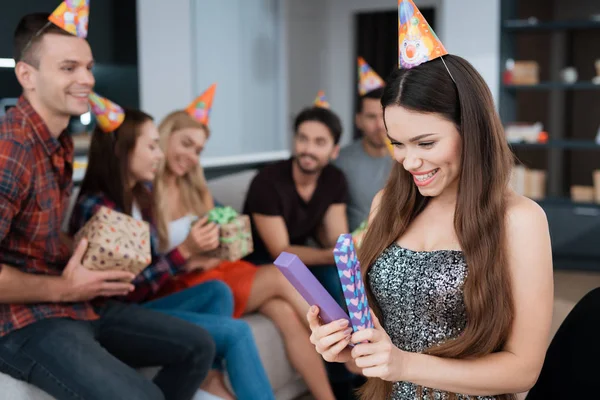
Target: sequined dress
{"type": "Point", "coordinates": [421, 297]}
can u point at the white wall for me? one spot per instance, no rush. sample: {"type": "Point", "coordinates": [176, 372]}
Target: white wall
{"type": "Point", "coordinates": [480, 43]}
{"type": "Point", "coordinates": [334, 52]}
{"type": "Point", "coordinates": [185, 45]}
{"type": "Point", "coordinates": [306, 53]}
{"type": "Point", "coordinates": [165, 56]}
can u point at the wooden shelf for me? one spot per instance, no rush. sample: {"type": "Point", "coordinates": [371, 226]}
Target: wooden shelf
{"type": "Point", "coordinates": [561, 144]}
{"type": "Point", "coordinates": [583, 85]}
{"type": "Point", "coordinates": [567, 202]}
{"type": "Point", "coordinates": [526, 26]}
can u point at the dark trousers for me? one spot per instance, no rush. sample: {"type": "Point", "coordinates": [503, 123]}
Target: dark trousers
{"type": "Point", "coordinates": [572, 363]}
{"type": "Point", "coordinates": [95, 360]}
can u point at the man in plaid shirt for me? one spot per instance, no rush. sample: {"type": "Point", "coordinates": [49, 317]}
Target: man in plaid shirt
{"type": "Point", "coordinates": [50, 333]}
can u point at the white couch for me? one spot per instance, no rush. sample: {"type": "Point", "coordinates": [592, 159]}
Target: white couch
{"type": "Point", "coordinates": [286, 383]}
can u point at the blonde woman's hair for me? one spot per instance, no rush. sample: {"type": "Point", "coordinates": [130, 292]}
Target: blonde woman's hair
{"type": "Point", "coordinates": [194, 191]}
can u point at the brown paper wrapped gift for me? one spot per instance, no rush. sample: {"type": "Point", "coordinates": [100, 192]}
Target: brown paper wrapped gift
{"type": "Point", "coordinates": [116, 242]}
{"type": "Point", "coordinates": [235, 234]}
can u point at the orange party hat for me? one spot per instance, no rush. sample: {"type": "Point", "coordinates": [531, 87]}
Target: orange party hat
{"type": "Point", "coordinates": [72, 16]}
{"type": "Point", "coordinates": [201, 107]}
{"type": "Point", "coordinates": [417, 42]}
{"type": "Point", "coordinates": [109, 116]}
{"type": "Point", "coordinates": [368, 80]}
{"type": "Point", "coordinates": [321, 100]}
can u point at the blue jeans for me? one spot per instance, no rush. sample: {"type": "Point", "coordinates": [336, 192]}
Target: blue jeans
{"type": "Point", "coordinates": [95, 360]}
{"type": "Point", "coordinates": [210, 305]}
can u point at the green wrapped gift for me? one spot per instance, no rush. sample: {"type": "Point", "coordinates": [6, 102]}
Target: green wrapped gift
{"type": "Point", "coordinates": [235, 234]}
{"type": "Point", "coordinates": [359, 233]}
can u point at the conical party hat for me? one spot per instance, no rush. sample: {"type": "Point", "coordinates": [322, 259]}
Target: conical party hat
{"type": "Point", "coordinates": [201, 107]}
{"type": "Point", "coordinates": [109, 116]}
{"type": "Point", "coordinates": [417, 42]}
{"type": "Point", "coordinates": [72, 16]}
{"type": "Point", "coordinates": [368, 80]}
{"type": "Point", "coordinates": [321, 100]}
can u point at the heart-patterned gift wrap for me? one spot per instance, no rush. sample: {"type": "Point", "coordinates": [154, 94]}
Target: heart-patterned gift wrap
{"type": "Point", "coordinates": [352, 283]}
{"type": "Point", "coordinates": [116, 241]}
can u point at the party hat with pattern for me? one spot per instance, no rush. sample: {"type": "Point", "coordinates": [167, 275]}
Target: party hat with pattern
{"type": "Point", "coordinates": [72, 16]}
{"type": "Point", "coordinates": [417, 42]}
{"type": "Point", "coordinates": [201, 107]}
{"type": "Point", "coordinates": [368, 80]}
{"type": "Point", "coordinates": [109, 116]}
{"type": "Point", "coordinates": [321, 100]}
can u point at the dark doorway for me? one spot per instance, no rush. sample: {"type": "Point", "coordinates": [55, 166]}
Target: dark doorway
{"type": "Point", "coordinates": [376, 36]}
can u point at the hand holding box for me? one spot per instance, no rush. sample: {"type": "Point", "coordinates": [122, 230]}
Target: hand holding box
{"type": "Point", "coordinates": [115, 242]}
{"type": "Point", "coordinates": [309, 287]}
{"type": "Point", "coordinates": [235, 234]}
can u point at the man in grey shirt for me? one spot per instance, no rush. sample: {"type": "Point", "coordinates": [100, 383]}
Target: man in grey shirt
{"type": "Point", "coordinates": [366, 162]}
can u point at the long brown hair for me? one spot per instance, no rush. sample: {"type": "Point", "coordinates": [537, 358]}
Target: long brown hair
{"type": "Point", "coordinates": [108, 163]}
{"type": "Point", "coordinates": [193, 186]}
{"type": "Point", "coordinates": [479, 218]}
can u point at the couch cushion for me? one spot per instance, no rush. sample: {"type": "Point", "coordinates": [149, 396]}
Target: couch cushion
{"type": "Point", "coordinates": [231, 189]}
{"type": "Point", "coordinates": [13, 389]}
{"type": "Point", "coordinates": [273, 356]}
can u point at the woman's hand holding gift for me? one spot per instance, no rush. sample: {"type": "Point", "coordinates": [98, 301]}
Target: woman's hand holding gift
{"type": "Point", "coordinates": [203, 237]}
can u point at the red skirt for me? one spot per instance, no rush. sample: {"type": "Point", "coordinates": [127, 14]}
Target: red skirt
{"type": "Point", "coordinates": [238, 275]}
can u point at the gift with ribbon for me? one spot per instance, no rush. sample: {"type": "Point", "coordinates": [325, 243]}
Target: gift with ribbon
{"type": "Point", "coordinates": [235, 234]}
{"type": "Point", "coordinates": [116, 241]}
{"type": "Point", "coordinates": [359, 233]}
{"type": "Point", "coordinates": [352, 283]}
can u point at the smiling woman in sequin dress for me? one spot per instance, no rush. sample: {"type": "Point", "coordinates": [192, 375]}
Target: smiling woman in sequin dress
{"type": "Point", "coordinates": [458, 266]}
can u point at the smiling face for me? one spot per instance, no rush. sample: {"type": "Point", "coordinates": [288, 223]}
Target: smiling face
{"type": "Point", "coordinates": [428, 146]}
{"type": "Point", "coordinates": [314, 147]}
{"type": "Point", "coordinates": [183, 150]}
{"type": "Point", "coordinates": [62, 80]}
{"type": "Point", "coordinates": [146, 155]}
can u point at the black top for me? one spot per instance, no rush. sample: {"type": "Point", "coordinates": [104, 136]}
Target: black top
{"type": "Point", "coordinates": [273, 192]}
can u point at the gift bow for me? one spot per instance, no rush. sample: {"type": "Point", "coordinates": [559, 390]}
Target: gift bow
{"type": "Point", "coordinates": [358, 234]}
{"type": "Point", "coordinates": [360, 229]}
{"type": "Point", "coordinates": [226, 215]}
{"type": "Point", "coordinates": [222, 215]}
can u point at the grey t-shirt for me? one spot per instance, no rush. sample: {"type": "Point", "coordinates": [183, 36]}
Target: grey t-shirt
{"type": "Point", "coordinates": [366, 176]}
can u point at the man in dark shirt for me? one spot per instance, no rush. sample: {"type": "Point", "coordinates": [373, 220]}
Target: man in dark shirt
{"type": "Point", "coordinates": [53, 334]}
{"type": "Point", "coordinates": [303, 199]}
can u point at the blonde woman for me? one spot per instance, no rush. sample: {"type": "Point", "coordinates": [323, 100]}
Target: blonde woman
{"type": "Point", "coordinates": [182, 193]}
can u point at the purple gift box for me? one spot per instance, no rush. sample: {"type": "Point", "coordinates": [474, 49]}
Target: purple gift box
{"type": "Point", "coordinates": [309, 287]}
{"type": "Point", "coordinates": [352, 283]}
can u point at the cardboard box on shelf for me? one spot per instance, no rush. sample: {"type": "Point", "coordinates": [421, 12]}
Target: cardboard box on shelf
{"type": "Point", "coordinates": [525, 73]}
{"type": "Point", "coordinates": [529, 182]}
{"type": "Point", "coordinates": [582, 194]}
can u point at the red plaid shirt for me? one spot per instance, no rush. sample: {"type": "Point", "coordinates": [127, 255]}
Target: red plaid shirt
{"type": "Point", "coordinates": [35, 184]}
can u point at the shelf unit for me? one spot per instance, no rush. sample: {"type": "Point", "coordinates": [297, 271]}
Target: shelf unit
{"type": "Point", "coordinates": [559, 144]}
{"type": "Point", "coordinates": [554, 86]}
{"type": "Point", "coordinates": [563, 34]}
